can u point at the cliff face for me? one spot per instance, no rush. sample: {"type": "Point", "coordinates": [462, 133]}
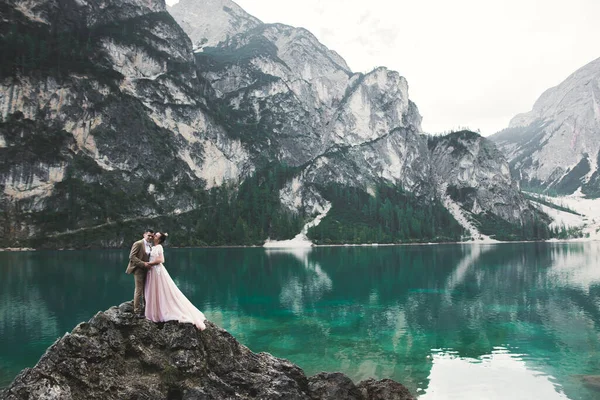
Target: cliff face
{"type": "Point", "coordinates": [113, 118]}
{"type": "Point", "coordinates": [293, 98]}
{"type": "Point", "coordinates": [556, 146]}
{"type": "Point", "coordinates": [469, 169]}
{"type": "Point", "coordinates": [211, 22]}
{"type": "Point", "coordinates": [103, 118]}
{"type": "Point", "coordinates": [289, 95]}
{"type": "Point", "coordinates": [117, 356]}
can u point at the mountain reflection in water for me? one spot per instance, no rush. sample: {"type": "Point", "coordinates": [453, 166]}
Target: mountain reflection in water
{"type": "Point", "coordinates": [448, 321]}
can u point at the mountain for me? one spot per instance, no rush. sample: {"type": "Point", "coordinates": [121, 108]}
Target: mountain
{"type": "Point", "coordinates": [102, 120]}
{"type": "Point", "coordinates": [556, 146]}
{"type": "Point", "coordinates": [211, 22]}
{"type": "Point", "coordinates": [343, 128]}
{"type": "Point", "coordinates": [219, 128]}
{"type": "Point", "coordinates": [117, 356]}
{"type": "Point", "coordinates": [475, 183]}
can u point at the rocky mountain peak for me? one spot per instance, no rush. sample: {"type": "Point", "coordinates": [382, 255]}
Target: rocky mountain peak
{"type": "Point", "coordinates": [470, 170]}
{"type": "Point", "coordinates": [209, 22]}
{"type": "Point", "coordinates": [368, 98]}
{"type": "Point", "coordinates": [116, 356]}
{"type": "Point", "coordinates": [293, 54]}
{"type": "Point", "coordinates": [577, 95]}
{"type": "Point", "coordinates": [300, 44]}
{"type": "Point", "coordinates": [556, 146]}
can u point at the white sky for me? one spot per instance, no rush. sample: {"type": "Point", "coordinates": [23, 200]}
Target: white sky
{"type": "Point", "coordinates": [473, 63]}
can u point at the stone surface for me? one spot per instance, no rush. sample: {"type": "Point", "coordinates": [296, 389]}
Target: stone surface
{"type": "Point", "coordinates": [117, 356]}
{"type": "Point", "coordinates": [470, 170]}
{"type": "Point", "coordinates": [333, 386]}
{"type": "Point", "coordinates": [210, 22]}
{"type": "Point", "coordinates": [384, 389]}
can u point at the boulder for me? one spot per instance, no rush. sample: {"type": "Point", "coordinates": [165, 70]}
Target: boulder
{"type": "Point", "coordinates": [118, 356]}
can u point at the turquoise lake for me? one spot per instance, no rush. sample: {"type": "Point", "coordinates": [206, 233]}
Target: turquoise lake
{"type": "Point", "coordinates": [504, 321]}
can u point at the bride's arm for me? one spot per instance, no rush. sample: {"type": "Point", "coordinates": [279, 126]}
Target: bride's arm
{"type": "Point", "coordinates": [159, 259]}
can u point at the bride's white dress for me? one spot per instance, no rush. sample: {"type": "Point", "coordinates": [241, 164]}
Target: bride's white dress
{"type": "Point", "coordinates": [164, 300]}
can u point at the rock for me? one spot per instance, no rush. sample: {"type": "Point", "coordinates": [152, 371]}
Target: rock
{"type": "Point", "coordinates": [472, 172]}
{"type": "Point", "coordinates": [591, 381]}
{"type": "Point", "coordinates": [385, 389]}
{"type": "Point", "coordinates": [117, 356]}
{"type": "Point", "coordinates": [333, 386]}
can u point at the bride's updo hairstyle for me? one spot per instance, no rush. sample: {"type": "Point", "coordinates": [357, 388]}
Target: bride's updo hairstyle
{"type": "Point", "coordinates": [163, 237]}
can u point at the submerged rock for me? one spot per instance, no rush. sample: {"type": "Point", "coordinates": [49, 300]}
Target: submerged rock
{"type": "Point", "coordinates": [117, 356]}
{"type": "Point", "coordinates": [591, 381]}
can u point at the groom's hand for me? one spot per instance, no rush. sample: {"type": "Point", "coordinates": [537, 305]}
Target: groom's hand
{"type": "Point", "coordinates": [147, 265]}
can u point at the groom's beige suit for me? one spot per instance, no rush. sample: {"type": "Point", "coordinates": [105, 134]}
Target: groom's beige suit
{"type": "Point", "coordinates": [137, 258]}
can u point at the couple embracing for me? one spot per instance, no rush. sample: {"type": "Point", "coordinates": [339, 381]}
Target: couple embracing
{"type": "Point", "coordinates": [164, 301]}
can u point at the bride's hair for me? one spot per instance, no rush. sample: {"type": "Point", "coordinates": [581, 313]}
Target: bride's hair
{"type": "Point", "coordinates": [163, 237]}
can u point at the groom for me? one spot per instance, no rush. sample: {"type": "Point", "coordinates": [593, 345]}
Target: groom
{"type": "Point", "coordinates": [138, 265]}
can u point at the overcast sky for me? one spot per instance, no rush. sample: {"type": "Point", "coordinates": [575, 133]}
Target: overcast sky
{"type": "Point", "coordinates": [472, 63]}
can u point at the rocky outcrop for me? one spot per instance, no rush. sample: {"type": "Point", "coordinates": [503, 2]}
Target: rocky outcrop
{"type": "Point", "coordinates": [470, 170]}
{"type": "Point", "coordinates": [292, 97]}
{"type": "Point", "coordinates": [556, 146]}
{"type": "Point", "coordinates": [108, 120]}
{"type": "Point", "coordinates": [117, 356]}
{"type": "Point", "coordinates": [210, 22]}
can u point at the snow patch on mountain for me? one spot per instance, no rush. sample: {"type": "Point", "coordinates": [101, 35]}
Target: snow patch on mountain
{"type": "Point", "coordinates": [561, 218]}
{"type": "Point", "coordinates": [27, 8]}
{"type": "Point", "coordinates": [593, 161]}
{"type": "Point", "coordinates": [588, 208]}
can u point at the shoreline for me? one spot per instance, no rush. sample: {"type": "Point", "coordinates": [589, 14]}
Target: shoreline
{"type": "Point", "coordinates": [468, 242]}
{"type": "Point", "coordinates": [17, 249]}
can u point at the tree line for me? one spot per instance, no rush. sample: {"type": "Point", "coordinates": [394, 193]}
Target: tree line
{"type": "Point", "coordinates": [391, 215]}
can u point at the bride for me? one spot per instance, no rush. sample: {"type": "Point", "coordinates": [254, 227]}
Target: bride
{"type": "Point", "coordinates": [164, 300]}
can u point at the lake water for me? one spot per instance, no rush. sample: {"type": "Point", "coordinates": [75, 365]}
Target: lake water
{"type": "Point", "coordinates": [517, 321]}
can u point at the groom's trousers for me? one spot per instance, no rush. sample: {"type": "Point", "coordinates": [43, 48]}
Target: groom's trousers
{"type": "Point", "coordinates": [139, 275]}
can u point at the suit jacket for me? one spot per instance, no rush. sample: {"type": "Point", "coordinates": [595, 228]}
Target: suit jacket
{"type": "Point", "coordinates": [137, 257]}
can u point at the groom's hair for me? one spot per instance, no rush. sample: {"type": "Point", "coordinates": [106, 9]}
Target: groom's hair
{"type": "Point", "coordinates": [148, 231]}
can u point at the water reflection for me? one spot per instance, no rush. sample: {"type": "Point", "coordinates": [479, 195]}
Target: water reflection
{"type": "Point", "coordinates": [301, 290]}
{"type": "Point", "coordinates": [529, 312]}
{"type": "Point", "coordinates": [497, 376]}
